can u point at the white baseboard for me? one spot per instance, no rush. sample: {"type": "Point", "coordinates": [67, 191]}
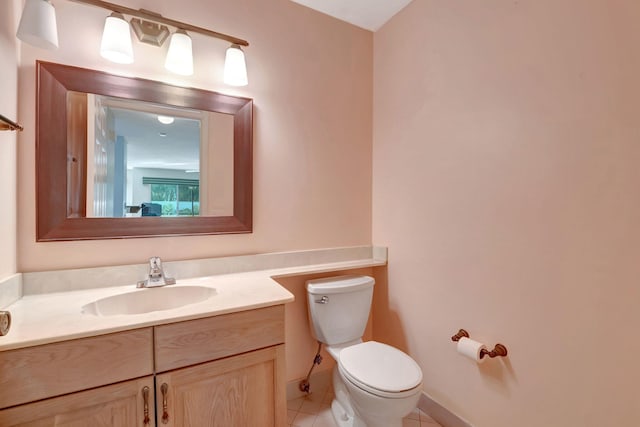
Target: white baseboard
{"type": "Point", "coordinates": [442, 415]}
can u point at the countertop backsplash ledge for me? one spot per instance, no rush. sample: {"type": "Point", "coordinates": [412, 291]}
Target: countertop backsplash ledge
{"type": "Point", "coordinates": [43, 282]}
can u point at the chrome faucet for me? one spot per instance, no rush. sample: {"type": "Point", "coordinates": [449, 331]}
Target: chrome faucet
{"type": "Point", "coordinates": [156, 275]}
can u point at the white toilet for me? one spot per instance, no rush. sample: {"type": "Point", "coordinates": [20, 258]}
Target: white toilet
{"type": "Point", "coordinates": [375, 385]}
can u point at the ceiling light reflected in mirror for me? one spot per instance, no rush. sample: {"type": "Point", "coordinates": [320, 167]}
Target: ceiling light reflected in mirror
{"type": "Point", "coordinates": [166, 120]}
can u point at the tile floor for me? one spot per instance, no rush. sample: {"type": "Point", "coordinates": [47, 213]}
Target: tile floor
{"type": "Point", "coordinates": [314, 410]}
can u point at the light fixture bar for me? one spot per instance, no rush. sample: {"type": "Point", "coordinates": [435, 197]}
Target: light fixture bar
{"type": "Point", "coordinates": [152, 16]}
{"type": "Point", "coordinates": [6, 124]}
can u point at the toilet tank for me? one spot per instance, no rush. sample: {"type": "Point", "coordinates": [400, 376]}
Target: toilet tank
{"type": "Point", "coordinates": [339, 307]}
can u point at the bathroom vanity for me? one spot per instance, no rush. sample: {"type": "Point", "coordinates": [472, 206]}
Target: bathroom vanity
{"type": "Point", "coordinates": [205, 352]}
{"type": "Point", "coordinates": [223, 370]}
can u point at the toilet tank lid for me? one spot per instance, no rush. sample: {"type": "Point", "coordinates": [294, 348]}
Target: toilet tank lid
{"type": "Point", "coordinates": [339, 284]}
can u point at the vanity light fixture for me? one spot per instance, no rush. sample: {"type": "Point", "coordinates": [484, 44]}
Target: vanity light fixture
{"type": "Point", "coordinates": [38, 24]}
{"type": "Point", "coordinates": [116, 43]}
{"type": "Point", "coordinates": [180, 55]}
{"type": "Point", "coordinates": [235, 67]}
{"type": "Point", "coordinates": [150, 32]}
{"type": "Point", "coordinates": [38, 28]}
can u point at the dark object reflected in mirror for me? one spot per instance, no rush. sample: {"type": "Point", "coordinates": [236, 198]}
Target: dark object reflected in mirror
{"type": "Point", "coordinates": [203, 197]}
{"type": "Point", "coordinates": [151, 209]}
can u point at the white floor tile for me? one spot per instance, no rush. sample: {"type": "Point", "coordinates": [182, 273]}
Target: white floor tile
{"type": "Point", "coordinates": [290, 416]}
{"type": "Point", "coordinates": [308, 412]}
{"type": "Point", "coordinates": [304, 420]}
{"type": "Point", "coordinates": [310, 407]}
{"type": "Point", "coordinates": [295, 404]}
{"type": "Point", "coordinates": [325, 419]}
{"type": "Point", "coordinates": [414, 415]}
{"type": "Point", "coordinates": [427, 421]}
{"type": "Point", "coordinates": [316, 396]}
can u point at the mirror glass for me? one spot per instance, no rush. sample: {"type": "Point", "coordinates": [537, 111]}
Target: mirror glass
{"type": "Point", "coordinates": [125, 157]}
{"type": "Point", "coordinates": [147, 159]}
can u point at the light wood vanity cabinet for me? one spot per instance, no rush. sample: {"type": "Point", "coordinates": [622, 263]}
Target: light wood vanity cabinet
{"type": "Point", "coordinates": [222, 371]}
{"type": "Point", "coordinates": [116, 405]}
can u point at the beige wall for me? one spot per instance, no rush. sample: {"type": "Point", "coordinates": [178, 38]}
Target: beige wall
{"type": "Point", "coordinates": [310, 78]}
{"type": "Point", "coordinates": [506, 185]}
{"type": "Point", "coordinates": [505, 171]}
{"type": "Point", "coordinates": [9, 11]}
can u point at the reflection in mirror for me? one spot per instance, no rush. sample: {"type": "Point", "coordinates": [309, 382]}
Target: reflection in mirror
{"type": "Point", "coordinates": [120, 157]}
{"type": "Point", "coordinates": [146, 159]}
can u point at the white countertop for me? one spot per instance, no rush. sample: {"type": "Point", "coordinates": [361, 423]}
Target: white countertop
{"type": "Point", "coordinates": [53, 317]}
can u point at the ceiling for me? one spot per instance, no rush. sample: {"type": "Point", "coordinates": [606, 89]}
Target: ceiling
{"type": "Point", "coordinates": [151, 144]}
{"type": "Point", "coordinates": [367, 14]}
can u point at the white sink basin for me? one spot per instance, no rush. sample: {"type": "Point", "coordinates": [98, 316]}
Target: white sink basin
{"type": "Point", "coordinates": [148, 300]}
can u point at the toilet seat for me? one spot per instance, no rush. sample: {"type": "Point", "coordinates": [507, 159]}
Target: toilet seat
{"type": "Point", "coordinates": [380, 369]}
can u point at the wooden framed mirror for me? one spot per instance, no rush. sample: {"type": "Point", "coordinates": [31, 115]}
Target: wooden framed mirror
{"type": "Point", "coordinates": [64, 172]}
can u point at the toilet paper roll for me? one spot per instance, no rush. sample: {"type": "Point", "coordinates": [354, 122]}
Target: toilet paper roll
{"type": "Point", "coordinates": [471, 349]}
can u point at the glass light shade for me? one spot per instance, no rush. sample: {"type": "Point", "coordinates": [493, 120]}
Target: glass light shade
{"type": "Point", "coordinates": [38, 24]}
{"type": "Point", "coordinates": [180, 55]}
{"type": "Point", "coordinates": [116, 40]}
{"type": "Point", "coordinates": [235, 67]}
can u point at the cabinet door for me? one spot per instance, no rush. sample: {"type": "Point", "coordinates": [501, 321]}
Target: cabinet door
{"type": "Point", "coordinates": [240, 391]}
{"type": "Point", "coordinates": [118, 405]}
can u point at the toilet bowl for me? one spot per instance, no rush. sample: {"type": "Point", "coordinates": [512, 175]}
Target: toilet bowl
{"type": "Point", "coordinates": [375, 384]}
{"type": "Point", "coordinates": [382, 383]}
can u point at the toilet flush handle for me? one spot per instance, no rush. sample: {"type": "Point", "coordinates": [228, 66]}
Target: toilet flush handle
{"type": "Point", "coordinates": [323, 300]}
